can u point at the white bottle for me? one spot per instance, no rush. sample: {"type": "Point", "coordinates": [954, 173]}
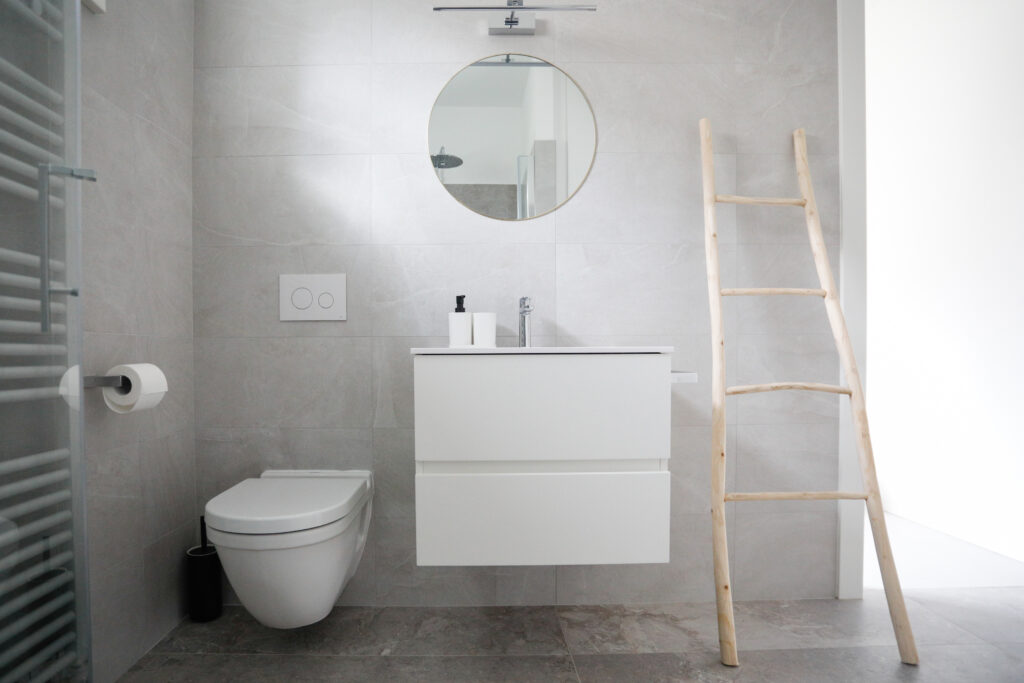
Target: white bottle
{"type": "Point", "coordinates": [460, 325]}
{"type": "Point", "coordinates": [485, 330]}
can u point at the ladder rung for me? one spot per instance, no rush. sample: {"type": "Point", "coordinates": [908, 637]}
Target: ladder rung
{"type": "Point", "coordinates": [797, 495]}
{"type": "Point", "coordinates": [786, 386]}
{"type": "Point", "coordinates": [762, 201]}
{"type": "Point", "coordinates": [771, 291]}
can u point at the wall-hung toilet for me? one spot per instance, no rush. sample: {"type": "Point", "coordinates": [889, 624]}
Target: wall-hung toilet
{"type": "Point", "coordinates": [291, 540]}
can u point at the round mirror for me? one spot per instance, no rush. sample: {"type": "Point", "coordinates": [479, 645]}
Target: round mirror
{"type": "Point", "coordinates": [512, 137]}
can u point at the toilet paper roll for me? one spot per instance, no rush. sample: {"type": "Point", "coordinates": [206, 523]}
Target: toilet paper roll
{"type": "Point", "coordinates": [146, 388]}
{"type": "Point", "coordinates": [70, 383]}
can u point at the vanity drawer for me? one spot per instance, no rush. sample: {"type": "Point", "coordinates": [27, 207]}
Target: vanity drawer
{"type": "Point", "coordinates": [549, 518]}
{"type": "Point", "coordinates": [543, 407]}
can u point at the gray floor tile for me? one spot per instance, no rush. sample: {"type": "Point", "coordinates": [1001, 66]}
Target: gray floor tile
{"type": "Point", "coordinates": [476, 631]}
{"type": "Point", "coordinates": [835, 623]}
{"type": "Point", "coordinates": [655, 667]}
{"type": "Point", "coordinates": [217, 668]}
{"type": "Point", "coordinates": [382, 631]}
{"type": "Point", "coordinates": [1015, 650]}
{"type": "Point", "coordinates": [612, 629]}
{"type": "Point", "coordinates": [939, 664]}
{"type": "Point", "coordinates": [813, 640]}
{"type": "Point", "coordinates": [994, 614]}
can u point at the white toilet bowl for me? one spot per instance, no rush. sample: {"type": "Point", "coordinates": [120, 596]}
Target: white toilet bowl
{"type": "Point", "coordinates": [290, 541]}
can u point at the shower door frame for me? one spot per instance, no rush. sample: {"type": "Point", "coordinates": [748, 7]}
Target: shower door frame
{"type": "Point", "coordinates": [65, 50]}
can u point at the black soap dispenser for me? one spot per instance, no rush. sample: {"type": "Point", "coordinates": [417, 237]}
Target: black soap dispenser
{"type": "Point", "coordinates": [460, 325]}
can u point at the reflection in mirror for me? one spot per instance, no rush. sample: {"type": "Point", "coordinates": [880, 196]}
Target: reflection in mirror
{"type": "Point", "coordinates": [512, 137]}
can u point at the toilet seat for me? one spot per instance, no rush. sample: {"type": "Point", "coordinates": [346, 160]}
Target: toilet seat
{"type": "Point", "coordinates": [292, 501]}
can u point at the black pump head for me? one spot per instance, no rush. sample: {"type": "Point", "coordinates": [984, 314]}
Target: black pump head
{"type": "Point", "coordinates": [459, 301]}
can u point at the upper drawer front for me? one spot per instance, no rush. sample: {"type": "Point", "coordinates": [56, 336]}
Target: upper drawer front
{"type": "Point", "coordinates": [558, 407]}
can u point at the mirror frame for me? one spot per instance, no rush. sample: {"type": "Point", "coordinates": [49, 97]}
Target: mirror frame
{"type": "Point", "coordinates": [593, 157]}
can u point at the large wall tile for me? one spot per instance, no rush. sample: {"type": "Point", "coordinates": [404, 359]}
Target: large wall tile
{"type": "Point", "coordinates": [282, 110]}
{"type": "Point", "coordinates": [415, 287]}
{"type": "Point", "coordinates": [403, 99]}
{"type": "Point", "coordinates": [289, 382]}
{"type": "Point", "coordinates": [165, 289]}
{"type": "Point", "coordinates": [787, 32]}
{"type": "Point", "coordinates": [400, 581]}
{"type": "Point", "coordinates": [137, 108]}
{"type": "Point", "coordinates": [168, 482]}
{"type": "Point", "coordinates": [238, 293]}
{"type": "Point", "coordinates": [785, 555]}
{"type": "Point", "coordinates": [282, 201]}
{"type": "Point", "coordinates": [116, 529]}
{"type": "Point", "coordinates": [226, 456]}
{"type": "Point", "coordinates": [163, 91]}
{"type": "Point", "coordinates": [362, 587]}
{"type": "Point", "coordinates": [774, 175]}
{"type": "Point", "coordinates": [394, 473]}
{"type": "Point", "coordinates": [631, 289]}
{"type": "Point", "coordinates": [691, 468]}
{"type": "Point", "coordinates": [115, 258]}
{"type": "Point", "coordinates": [139, 54]}
{"type": "Point", "coordinates": [117, 599]}
{"type": "Point", "coordinates": [773, 100]}
{"type": "Point", "coordinates": [105, 146]}
{"type": "Point", "coordinates": [325, 143]}
{"type": "Point", "coordinates": [525, 585]}
{"type": "Point", "coordinates": [655, 108]}
{"type": "Point", "coordinates": [687, 578]}
{"type": "Point", "coordinates": [176, 412]}
{"type": "Point", "coordinates": [763, 358]}
{"type": "Point", "coordinates": [245, 33]}
{"type": "Point", "coordinates": [164, 573]}
{"type": "Point", "coordinates": [393, 380]}
{"type": "Point", "coordinates": [410, 32]}
{"type": "Point", "coordinates": [778, 265]}
{"type": "Point", "coordinates": [651, 32]}
{"type": "Point", "coordinates": [643, 198]}
{"type": "Point", "coordinates": [786, 457]}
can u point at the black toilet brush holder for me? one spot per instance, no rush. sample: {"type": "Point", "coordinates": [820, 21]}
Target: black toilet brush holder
{"type": "Point", "coordinates": [203, 579]}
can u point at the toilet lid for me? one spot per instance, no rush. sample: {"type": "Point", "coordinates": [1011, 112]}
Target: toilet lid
{"type": "Point", "coordinates": [279, 505]}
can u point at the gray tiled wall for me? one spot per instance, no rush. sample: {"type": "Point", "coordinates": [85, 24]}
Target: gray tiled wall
{"type": "Point", "coordinates": [310, 154]}
{"type": "Point", "coordinates": [137, 298]}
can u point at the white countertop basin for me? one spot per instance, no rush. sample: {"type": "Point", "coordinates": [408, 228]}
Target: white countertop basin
{"type": "Point", "coordinates": [477, 350]}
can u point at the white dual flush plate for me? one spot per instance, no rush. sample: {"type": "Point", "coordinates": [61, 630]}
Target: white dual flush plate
{"type": "Point", "coordinates": [313, 297]}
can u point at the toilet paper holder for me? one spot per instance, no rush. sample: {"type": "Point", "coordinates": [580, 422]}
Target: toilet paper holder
{"type": "Point", "coordinates": [115, 381]}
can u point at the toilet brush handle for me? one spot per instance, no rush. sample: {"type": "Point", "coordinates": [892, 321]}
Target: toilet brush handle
{"type": "Point", "coordinates": [202, 531]}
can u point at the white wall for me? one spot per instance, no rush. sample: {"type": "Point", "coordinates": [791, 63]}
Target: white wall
{"type": "Point", "coordinates": [310, 137]}
{"type": "Point", "coordinates": [945, 112]}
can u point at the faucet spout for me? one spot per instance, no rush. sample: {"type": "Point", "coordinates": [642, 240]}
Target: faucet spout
{"type": "Point", "coordinates": [525, 309]}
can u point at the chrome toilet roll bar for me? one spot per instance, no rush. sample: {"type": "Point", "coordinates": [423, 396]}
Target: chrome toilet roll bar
{"type": "Point", "coordinates": [115, 381]}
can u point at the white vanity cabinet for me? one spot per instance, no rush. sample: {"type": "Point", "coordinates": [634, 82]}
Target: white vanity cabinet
{"type": "Point", "coordinates": [542, 456]}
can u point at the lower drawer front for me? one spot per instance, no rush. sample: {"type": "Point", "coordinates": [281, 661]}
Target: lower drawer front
{"type": "Point", "coordinates": [542, 519]}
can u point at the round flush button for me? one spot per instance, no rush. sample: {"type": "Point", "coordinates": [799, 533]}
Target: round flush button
{"type": "Point", "coordinates": [326, 300]}
{"type": "Point", "coordinates": [302, 298]}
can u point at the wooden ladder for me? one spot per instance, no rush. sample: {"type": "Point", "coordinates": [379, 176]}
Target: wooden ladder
{"type": "Point", "coordinates": [853, 389]}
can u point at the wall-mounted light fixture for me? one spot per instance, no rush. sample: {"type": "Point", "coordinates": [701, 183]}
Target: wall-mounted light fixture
{"type": "Point", "coordinates": [520, 19]}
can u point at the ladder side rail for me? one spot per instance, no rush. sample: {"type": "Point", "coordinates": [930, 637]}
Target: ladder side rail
{"type": "Point", "coordinates": [887, 565]}
{"type": "Point", "coordinates": [720, 547]}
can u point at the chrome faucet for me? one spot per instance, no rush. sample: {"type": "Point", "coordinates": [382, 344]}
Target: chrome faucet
{"type": "Point", "coordinates": [525, 309]}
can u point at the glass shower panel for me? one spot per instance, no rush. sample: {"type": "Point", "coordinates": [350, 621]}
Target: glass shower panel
{"type": "Point", "coordinates": [44, 620]}
{"type": "Point", "coordinates": [524, 186]}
